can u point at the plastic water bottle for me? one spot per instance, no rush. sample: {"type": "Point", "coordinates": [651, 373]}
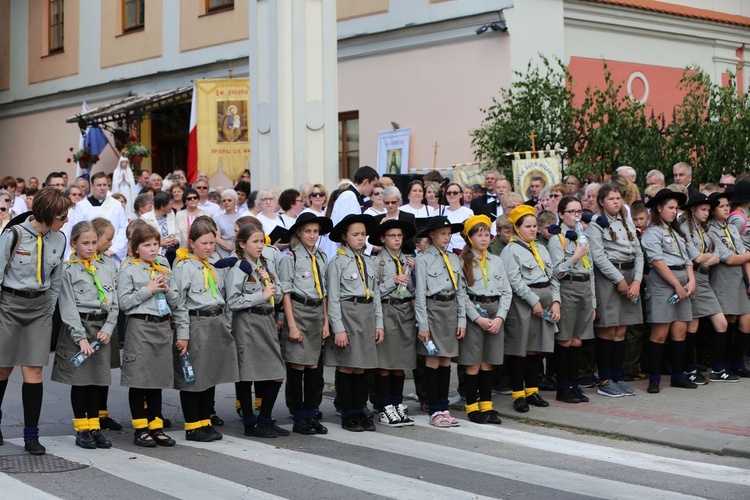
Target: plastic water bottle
{"type": "Point", "coordinates": [673, 299]}
{"type": "Point", "coordinates": [482, 311]}
{"type": "Point", "coordinates": [432, 349]}
{"type": "Point", "coordinates": [582, 238]}
{"type": "Point", "coordinates": [187, 368]}
{"type": "Point", "coordinates": [635, 300]}
{"type": "Point", "coordinates": [80, 357]}
{"type": "Point", "coordinates": [401, 289]}
{"type": "Point", "coordinates": [547, 316]}
{"type": "Point", "coordinates": [161, 304]}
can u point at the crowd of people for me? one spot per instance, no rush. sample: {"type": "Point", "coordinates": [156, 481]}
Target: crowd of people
{"type": "Point", "coordinates": [586, 283]}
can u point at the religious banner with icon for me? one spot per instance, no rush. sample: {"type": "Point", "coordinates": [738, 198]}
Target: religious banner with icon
{"type": "Point", "coordinates": [545, 164]}
{"type": "Point", "coordinates": [223, 126]}
{"type": "Point", "coordinates": [393, 151]}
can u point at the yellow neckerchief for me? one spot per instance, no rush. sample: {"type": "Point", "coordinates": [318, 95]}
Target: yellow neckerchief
{"type": "Point", "coordinates": [674, 238]}
{"type": "Point", "coordinates": [316, 272]}
{"type": "Point", "coordinates": [703, 241]}
{"type": "Point", "coordinates": [532, 247]}
{"type": "Point", "coordinates": [585, 259]}
{"type": "Point", "coordinates": [448, 266]}
{"type": "Point", "coordinates": [266, 282]}
{"type": "Point", "coordinates": [361, 265]}
{"type": "Point", "coordinates": [209, 274]}
{"type": "Point", "coordinates": [397, 261]}
{"type": "Point", "coordinates": [39, 252]}
{"type": "Point", "coordinates": [482, 263]}
{"type": "Point", "coordinates": [154, 267]}
{"type": "Point", "coordinates": [725, 227]}
{"type": "Point", "coordinates": [90, 269]}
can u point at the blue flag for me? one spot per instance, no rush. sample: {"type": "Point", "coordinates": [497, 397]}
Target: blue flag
{"type": "Point", "coordinates": [95, 140]}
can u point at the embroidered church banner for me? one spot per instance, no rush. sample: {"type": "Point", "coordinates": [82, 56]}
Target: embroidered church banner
{"type": "Point", "coordinates": [549, 168]}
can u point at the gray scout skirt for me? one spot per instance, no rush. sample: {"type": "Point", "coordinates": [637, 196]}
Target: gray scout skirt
{"type": "Point", "coordinates": [359, 322]}
{"type": "Point", "coordinates": [258, 349]}
{"type": "Point", "coordinates": [25, 330]}
{"type": "Point", "coordinates": [94, 371]}
{"type": "Point", "coordinates": [147, 355]}
{"type": "Point", "coordinates": [703, 300]}
{"type": "Point", "coordinates": [613, 309]}
{"type": "Point", "coordinates": [658, 309]}
{"type": "Point", "coordinates": [526, 332]}
{"type": "Point", "coordinates": [729, 287]}
{"type": "Point", "coordinates": [577, 311]}
{"type": "Point", "coordinates": [480, 345]}
{"type": "Point", "coordinates": [443, 320]}
{"type": "Point", "coordinates": [212, 354]}
{"type": "Point", "coordinates": [114, 349]}
{"type": "Point", "coordinates": [398, 349]}
{"type": "Point", "coordinates": [310, 321]}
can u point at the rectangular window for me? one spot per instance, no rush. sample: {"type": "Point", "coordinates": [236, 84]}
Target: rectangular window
{"type": "Point", "coordinates": [219, 5]}
{"type": "Point", "coordinates": [348, 144]}
{"type": "Point", "coordinates": [56, 25]}
{"type": "Point", "coordinates": [133, 15]}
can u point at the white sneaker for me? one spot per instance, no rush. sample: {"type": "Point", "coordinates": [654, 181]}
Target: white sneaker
{"type": "Point", "coordinates": [401, 411]}
{"type": "Point", "coordinates": [390, 417]}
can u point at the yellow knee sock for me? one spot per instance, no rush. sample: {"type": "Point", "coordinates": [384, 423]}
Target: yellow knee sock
{"type": "Point", "coordinates": [518, 394]}
{"type": "Point", "coordinates": [156, 424]}
{"type": "Point", "coordinates": [472, 407]}
{"type": "Point", "coordinates": [485, 406]}
{"type": "Point", "coordinates": [531, 390]}
{"type": "Point", "coordinates": [81, 424]}
{"type": "Point", "coordinates": [94, 424]}
{"type": "Point", "coordinates": [190, 426]}
{"type": "Point", "coordinates": [140, 423]}
{"type": "Point", "coordinates": [103, 413]}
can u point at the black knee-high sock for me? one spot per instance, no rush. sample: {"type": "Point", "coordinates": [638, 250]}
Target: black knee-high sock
{"type": "Point", "coordinates": [603, 349]}
{"type": "Point", "coordinates": [206, 401]}
{"type": "Point", "coordinates": [269, 390]}
{"type": "Point", "coordinates": [562, 366]}
{"type": "Point", "coordinates": [444, 383]}
{"type": "Point", "coordinates": [397, 388]}
{"type": "Point", "coordinates": [359, 391]}
{"type": "Point", "coordinates": [92, 401]}
{"type": "Point", "coordinates": [655, 355]}
{"type": "Point", "coordinates": [190, 402]}
{"type": "Point", "coordinates": [533, 368]}
{"type": "Point", "coordinates": [244, 393]}
{"type": "Point", "coordinates": [678, 359]}
{"type": "Point", "coordinates": [344, 394]}
{"type": "Point", "coordinates": [485, 385]}
{"type": "Point", "coordinates": [471, 386]}
{"type": "Point", "coordinates": [690, 346]}
{"type": "Point", "coordinates": [78, 400]}
{"type": "Point", "coordinates": [732, 332]}
{"type": "Point", "coordinates": [718, 351]}
{"type": "Point", "coordinates": [574, 363]}
{"type": "Point", "coordinates": [294, 389]}
{"type": "Point", "coordinates": [153, 401]}
{"type": "Point", "coordinates": [517, 372]}
{"type": "Point", "coordinates": [3, 386]}
{"type": "Point", "coordinates": [31, 395]}
{"type": "Point", "coordinates": [618, 359]}
{"type": "Point", "coordinates": [382, 390]}
{"type": "Point", "coordinates": [431, 387]}
{"type": "Point", "coordinates": [103, 397]}
{"type": "Point", "coordinates": [312, 386]}
{"type": "Point", "coordinates": [136, 398]}
{"type": "Point", "coordinates": [739, 348]}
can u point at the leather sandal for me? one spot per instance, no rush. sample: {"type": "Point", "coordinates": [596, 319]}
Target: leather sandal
{"type": "Point", "coordinates": [144, 439]}
{"type": "Point", "coordinates": [162, 439]}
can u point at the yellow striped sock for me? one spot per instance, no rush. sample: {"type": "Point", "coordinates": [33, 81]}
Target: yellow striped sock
{"type": "Point", "coordinates": [156, 424]}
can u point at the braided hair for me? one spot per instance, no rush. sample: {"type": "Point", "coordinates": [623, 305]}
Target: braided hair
{"type": "Point", "coordinates": [601, 195]}
{"type": "Point", "coordinates": [243, 235]}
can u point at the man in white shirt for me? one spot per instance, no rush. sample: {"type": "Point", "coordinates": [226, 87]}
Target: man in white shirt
{"type": "Point", "coordinates": [201, 185]}
{"type": "Point", "coordinates": [142, 180]}
{"type": "Point", "coordinates": [99, 204]}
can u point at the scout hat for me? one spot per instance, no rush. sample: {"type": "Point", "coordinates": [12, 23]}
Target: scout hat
{"type": "Point", "coordinates": [325, 223]}
{"type": "Point", "coordinates": [717, 196]}
{"type": "Point", "coordinates": [697, 199]}
{"type": "Point", "coordinates": [473, 221]}
{"type": "Point", "coordinates": [339, 229]}
{"type": "Point", "coordinates": [437, 222]}
{"type": "Point", "coordinates": [520, 211]}
{"type": "Point", "coordinates": [664, 195]}
{"type": "Point", "coordinates": [406, 227]}
{"type": "Point", "coordinates": [741, 193]}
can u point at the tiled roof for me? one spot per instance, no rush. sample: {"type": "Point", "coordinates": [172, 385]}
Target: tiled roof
{"type": "Point", "coordinates": [680, 10]}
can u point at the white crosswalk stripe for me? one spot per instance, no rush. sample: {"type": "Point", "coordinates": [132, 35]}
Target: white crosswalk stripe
{"type": "Point", "coordinates": [13, 488]}
{"type": "Point", "coordinates": [153, 473]}
{"type": "Point", "coordinates": [645, 461]}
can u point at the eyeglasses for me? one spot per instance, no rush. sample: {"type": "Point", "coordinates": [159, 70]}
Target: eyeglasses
{"type": "Point", "coordinates": [266, 200]}
{"type": "Point", "coordinates": [7, 200]}
{"type": "Point", "coordinates": [725, 185]}
{"type": "Point", "coordinates": [391, 202]}
{"type": "Point", "coordinates": [453, 193]}
{"type": "Point", "coordinates": [201, 187]}
{"type": "Point", "coordinates": [191, 198]}
{"type": "Point", "coordinates": [555, 195]}
{"type": "Point", "coordinates": [228, 200]}
{"type": "Point", "coordinates": [395, 236]}
{"type": "Point", "coordinates": [296, 202]}
{"type": "Point", "coordinates": [3, 209]}
{"type": "Point", "coordinates": [77, 195]}
{"type": "Point", "coordinates": [377, 193]}
{"type": "Point", "coordinates": [3, 186]}
{"type": "Point", "coordinates": [574, 212]}
{"type": "Point", "coordinates": [62, 218]}
{"type": "Point", "coordinates": [318, 195]}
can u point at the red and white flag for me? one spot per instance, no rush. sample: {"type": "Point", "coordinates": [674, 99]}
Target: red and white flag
{"type": "Point", "coordinates": [192, 159]}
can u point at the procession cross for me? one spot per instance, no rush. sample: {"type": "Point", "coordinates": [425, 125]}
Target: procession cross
{"type": "Point", "coordinates": [434, 157]}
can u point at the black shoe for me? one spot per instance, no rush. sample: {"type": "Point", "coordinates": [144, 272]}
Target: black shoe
{"type": "Point", "coordinates": [352, 424]}
{"type": "Point", "coordinates": [581, 395]}
{"type": "Point", "coordinates": [567, 396]}
{"type": "Point", "coordinates": [84, 440]}
{"type": "Point", "coordinates": [741, 372]}
{"type": "Point", "coordinates": [367, 423]}
{"type": "Point", "coordinates": [109, 423]}
{"type": "Point", "coordinates": [162, 439]}
{"type": "Point", "coordinates": [281, 432]}
{"type": "Point", "coordinates": [144, 439]}
{"type": "Point", "coordinates": [589, 381]}
{"type": "Point", "coordinates": [215, 435]}
{"type": "Point", "coordinates": [318, 415]}
{"type": "Point", "coordinates": [684, 383]}
{"type": "Point", "coordinates": [260, 431]}
{"type": "Point", "coordinates": [34, 447]}
{"type": "Point", "coordinates": [547, 383]}
{"type": "Point", "coordinates": [303, 426]}
{"type": "Point", "coordinates": [200, 435]}
{"type": "Point", "coordinates": [478, 417]}
{"type": "Point", "coordinates": [653, 388]}
{"type": "Point", "coordinates": [216, 420]}
{"type": "Point", "coordinates": [536, 400]}
{"type": "Point", "coordinates": [100, 440]}
{"type": "Point", "coordinates": [493, 417]}
{"type": "Point", "coordinates": [520, 405]}
{"type": "Point", "coordinates": [319, 428]}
